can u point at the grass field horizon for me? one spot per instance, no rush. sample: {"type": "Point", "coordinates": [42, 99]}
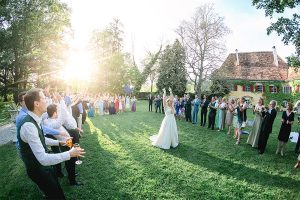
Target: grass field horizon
{"type": "Point", "coordinates": [120, 163]}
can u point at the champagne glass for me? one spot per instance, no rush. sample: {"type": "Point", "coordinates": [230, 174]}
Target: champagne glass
{"type": "Point", "coordinates": [78, 161]}
{"type": "Point", "coordinates": [69, 143]}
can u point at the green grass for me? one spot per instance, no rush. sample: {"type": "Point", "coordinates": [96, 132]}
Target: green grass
{"type": "Point", "coordinates": [4, 114]}
{"type": "Point", "coordinates": [121, 164]}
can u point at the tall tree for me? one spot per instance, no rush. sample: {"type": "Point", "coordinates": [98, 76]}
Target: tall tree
{"type": "Point", "coordinates": [219, 87]}
{"type": "Point", "coordinates": [31, 38]}
{"type": "Point", "coordinates": [172, 71]}
{"type": "Point", "coordinates": [203, 40]}
{"type": "Point", "coordinates": [288, 28]}
{"type": "Point", "coordinates": [150, 68]}
{"type": "Point", "coordinates": [107, 48]}
{"type": "Point", "coordinates": [114, 67]}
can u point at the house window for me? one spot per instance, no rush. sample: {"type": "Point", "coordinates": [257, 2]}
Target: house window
{"type": "Point", "coordinates": [273, 89]}
{"type": "Point", "coordinates": [287, 89]}
{"type": "Point", "coordinates": [232, 87]}
{"type": "Point", "coordinates": [259, 88]}
{"type": "Point", "coordinates": [248, 88]}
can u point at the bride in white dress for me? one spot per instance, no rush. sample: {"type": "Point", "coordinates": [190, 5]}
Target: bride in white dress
{"type": "Point", "coordinates": [167, 136]}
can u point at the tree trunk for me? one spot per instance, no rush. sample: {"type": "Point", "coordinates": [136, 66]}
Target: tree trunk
{"type": "Point", "coordinates": [151, 87]}
{"type": "Point", "coordinates": [199, 88]}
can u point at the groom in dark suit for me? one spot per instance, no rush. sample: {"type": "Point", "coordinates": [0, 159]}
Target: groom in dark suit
{"type": "Point", "coordinates": [266, 127]}
{"type": "Point", "coordinates": [204, 106]}
{"type": "Point", "coordinates": [158, 104]}
{"type": "Point", "coordinates": [188, 108]}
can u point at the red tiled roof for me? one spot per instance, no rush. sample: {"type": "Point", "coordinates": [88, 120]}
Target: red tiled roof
{"type": "Point", "coordinates": [253, 66]}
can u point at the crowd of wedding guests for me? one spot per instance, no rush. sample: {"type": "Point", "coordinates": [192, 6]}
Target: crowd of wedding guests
{"type": "Point", "coordinates": [107, 104]}
{"type": "Point", "coordinates": [55, 119]}
{"type": "Point", "coordinates": [231, 115]}
{"type": "Point", "coordinates": [47, 120]}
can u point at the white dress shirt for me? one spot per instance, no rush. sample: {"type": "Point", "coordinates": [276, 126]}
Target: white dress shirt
{"type": "Point", "coordinates": [52, 123]}
{"type": "Point", "coordinates": [64, 117]}
{"type": "Point", "coordinates": [68, 120]}
{"type": "Point", "coordinates": [29, 134]}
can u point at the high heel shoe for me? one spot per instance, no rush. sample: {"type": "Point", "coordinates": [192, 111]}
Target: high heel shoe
{"type": "Point", "coordinates": [297, 165]}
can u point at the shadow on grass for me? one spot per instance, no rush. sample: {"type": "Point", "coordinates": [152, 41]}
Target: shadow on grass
{"type": "Point", "coordinates": [98, 169]}
{"type": "Point", "coordinates": [162, 180]}
{"type": "Point", "coordinates": [132, 137]}
{"type": "Point", "coordinates": [228, 168]}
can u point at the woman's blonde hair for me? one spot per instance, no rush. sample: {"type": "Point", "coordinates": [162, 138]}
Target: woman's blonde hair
{"type": "Point", "coordinates": [262, 100]}
{"type": "Point", "coordinates": [290, 106]}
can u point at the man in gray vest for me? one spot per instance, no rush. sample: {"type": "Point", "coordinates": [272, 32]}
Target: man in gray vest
{"type": "Point", "coordinates": [33, 150]}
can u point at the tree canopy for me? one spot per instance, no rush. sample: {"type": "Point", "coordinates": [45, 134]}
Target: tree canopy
{"type": "Point", "coordinates": [172, 71]}
{"type": "Point", "coordinates": [203, 40]}
{"type": "Point", "coordinates": [288, 28]}
{"type": "Point", "coordinates": [31, 40]}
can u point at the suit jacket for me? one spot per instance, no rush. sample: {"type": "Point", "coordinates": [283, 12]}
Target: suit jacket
{"type": "Point", "coordinates": [188, 105]}
{"type": "Point", "coordinates": [205, 105]}
{"type": "Point", "coordinates": [158, 102]}
{"type": "Point", "coordinates": [268, 120]}
{"type": "Point", "coordinates": [150, 99]}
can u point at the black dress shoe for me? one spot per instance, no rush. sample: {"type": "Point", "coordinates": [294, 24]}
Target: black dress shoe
{"type": "Point", "coordinates": [76, 184]}
{"type": "Point", "coordinates": [260, 152]}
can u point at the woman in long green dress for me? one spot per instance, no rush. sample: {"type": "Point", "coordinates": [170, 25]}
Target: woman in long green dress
{"type": "Point", "coordinates": [254, 134]}
{"type": "Point", "coordinates": [222, 115]}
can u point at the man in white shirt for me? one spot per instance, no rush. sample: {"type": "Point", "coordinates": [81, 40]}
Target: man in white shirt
{"type": "Point", "coordinates": [33, 150]}
{"type": "Point", "coordinates": [54, 122]}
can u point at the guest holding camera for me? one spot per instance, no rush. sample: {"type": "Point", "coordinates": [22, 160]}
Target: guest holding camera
{"type": "Point", "coordinates": [254, 134]}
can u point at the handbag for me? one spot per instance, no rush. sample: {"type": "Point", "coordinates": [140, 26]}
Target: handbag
{"type": "Point", "coordinates": [243, 125]}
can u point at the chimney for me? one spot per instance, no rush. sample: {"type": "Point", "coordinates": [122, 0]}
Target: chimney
{"type": "Point", "coordinates": [275, 56]}
{"type": "Point", "coordinates": [237, 57]}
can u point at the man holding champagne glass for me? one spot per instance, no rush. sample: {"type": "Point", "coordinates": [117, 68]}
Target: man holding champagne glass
{"type": "Point", "coordinates": [33, 150]}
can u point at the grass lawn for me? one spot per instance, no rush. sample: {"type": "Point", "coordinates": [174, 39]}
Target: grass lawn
{"type": "Point", "coordinates": [121, 164]}
{"type": "Point", "coordinates": [4, 114]}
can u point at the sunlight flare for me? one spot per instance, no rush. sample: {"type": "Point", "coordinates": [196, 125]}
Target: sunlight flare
{"type": "Point", "coordinates": [79, 67]}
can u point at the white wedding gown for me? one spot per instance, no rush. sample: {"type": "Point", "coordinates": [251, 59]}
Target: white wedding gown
{"type": "Point", "coordinates": [167, 136]}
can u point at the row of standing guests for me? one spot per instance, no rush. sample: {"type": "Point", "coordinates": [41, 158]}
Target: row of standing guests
{"type": "Point", "coordinates": [107, 104]}
{"type": "Point", "coordinates": [90, 105]}
{"type": "Point", "coordinates": [233, 114]}
{"type": "Point", "coordinates": [187, 108]}
{"type": "Point", "coordinates": [183, 106]}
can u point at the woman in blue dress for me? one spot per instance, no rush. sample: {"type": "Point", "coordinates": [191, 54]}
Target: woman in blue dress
{"type": "Point", "coordinates": [177, 106]}
{"type": "Point", "coordinates": [91, 112]}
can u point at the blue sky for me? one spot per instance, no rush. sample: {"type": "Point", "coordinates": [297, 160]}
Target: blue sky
{"type": "Point", "coordinates": [148, 23]}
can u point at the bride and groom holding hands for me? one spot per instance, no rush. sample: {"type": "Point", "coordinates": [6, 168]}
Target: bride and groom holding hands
{"type": "Point", "coordinates": [168, 135]}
